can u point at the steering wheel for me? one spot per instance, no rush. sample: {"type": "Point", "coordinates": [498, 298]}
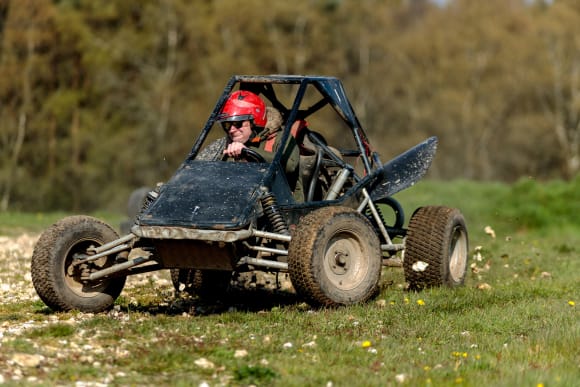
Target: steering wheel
{"type": "Point", "coordinates": [252, 155]}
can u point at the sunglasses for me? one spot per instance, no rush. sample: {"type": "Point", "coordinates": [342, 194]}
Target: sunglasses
{"type": "Point", "coordinates": [228, 124]}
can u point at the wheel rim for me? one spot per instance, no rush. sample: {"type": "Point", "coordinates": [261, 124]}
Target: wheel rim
{"type": "Point", "coordinates": [345, 261]}
{"type": "Point", "coordinates": [73, 273]}
{"type": "Point", "coordinates": [458, 254]}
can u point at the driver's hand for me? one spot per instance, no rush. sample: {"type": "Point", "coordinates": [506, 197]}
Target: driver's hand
{"type": "Point", "coordinates": [234, 149]}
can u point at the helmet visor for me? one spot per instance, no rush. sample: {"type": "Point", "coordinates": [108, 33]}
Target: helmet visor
{"type": "Point", "coordinates": [225, 117]}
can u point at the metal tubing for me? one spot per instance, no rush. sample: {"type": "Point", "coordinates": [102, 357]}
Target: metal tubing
{"type": "Point", "coordinates": [338, 184]}
{"type": "Point", "coordinates": [363, 204]}
{"type": "Point", "coordinates": [118, 267]}
{"type": "Point", "coordinates": [361, 145]}
{"type": "Point", "coordinates": [112, 244]}
{"type": "Point", "coordinates": [312, 185]}
{"type": "Point", "coordinates": [271, 235]}
{"type": "Point", "coordinates": [377, 217]}
{"type": "Point", "coordinates": [145, 269]}
{"type": "Point", "coordinates": [266, 249]}
{"type": "Point", "coordinates": [264, 263]}
{"type": "Point", "coordinates": [90, 258]}
{"type": "Point", "coordinates": [393, 247]}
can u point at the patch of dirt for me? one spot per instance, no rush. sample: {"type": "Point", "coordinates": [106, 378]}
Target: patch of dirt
{"type": "Point", "coordinates": [16, 288]}
{"type": "Point", "coordinates": [15, 280]}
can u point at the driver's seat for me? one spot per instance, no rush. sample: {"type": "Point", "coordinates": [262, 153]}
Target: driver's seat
{"type": "Point", "coordinates": [310, 158]}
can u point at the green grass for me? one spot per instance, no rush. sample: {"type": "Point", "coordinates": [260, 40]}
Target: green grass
{"type": "Point", "coordinates": [515, 323]}
{"type": "Point", "coordinates": [509, 209]}
{"type": "Point", "coordinates": [16, 223]}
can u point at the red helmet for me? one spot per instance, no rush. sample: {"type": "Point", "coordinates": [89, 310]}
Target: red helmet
{"type": "Point", "coordinates": [243, 105]}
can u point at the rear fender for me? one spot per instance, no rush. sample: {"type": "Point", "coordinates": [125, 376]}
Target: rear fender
{"type": "Point", "coordinates": [400, 173]}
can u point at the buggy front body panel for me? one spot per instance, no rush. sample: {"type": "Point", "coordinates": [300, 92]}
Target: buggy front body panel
{"type": "Point", "coordinates": [209, 195]}
{"type": "Point", "coordinates": [229, 199]}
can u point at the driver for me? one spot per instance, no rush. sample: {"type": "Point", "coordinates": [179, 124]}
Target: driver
{"type": "Point", "coordinates": [250, 124]}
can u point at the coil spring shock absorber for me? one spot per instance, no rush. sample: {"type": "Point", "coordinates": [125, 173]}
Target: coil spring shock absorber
{"type": "Point", "coordinates": [274, 215]}
{"type": "Point", "coordinates": [395, 206]}
{"type": "Point", "coordinates": [370, 216]}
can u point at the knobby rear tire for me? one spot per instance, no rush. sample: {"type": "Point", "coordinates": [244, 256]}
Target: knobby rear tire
{"type": "Point", "coordinates": [436, 248]}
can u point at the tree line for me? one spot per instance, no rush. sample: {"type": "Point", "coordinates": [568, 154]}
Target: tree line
{"type": "Point", "coordinates": [98, 98]}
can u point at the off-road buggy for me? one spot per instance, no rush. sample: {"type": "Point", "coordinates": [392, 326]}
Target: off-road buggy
{"type": "Point", "coordinates": [214, 218]}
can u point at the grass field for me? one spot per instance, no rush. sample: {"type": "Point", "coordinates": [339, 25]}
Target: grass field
{"type": "Point", "coordinates": [515, 323]}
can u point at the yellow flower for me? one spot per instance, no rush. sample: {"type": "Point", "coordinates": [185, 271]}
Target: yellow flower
{"type": "Point", "coordinates": [366, 344]}
{"type": "Point", "coordinates": [571, 303]}
{"type": "Point", "coordinates": [406, 300]}
{"type": "Point", "coordinates": [540, 385]}
{"type": "Point", "coordinates": [420, 302]}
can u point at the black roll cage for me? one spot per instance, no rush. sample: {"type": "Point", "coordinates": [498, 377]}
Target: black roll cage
{"type": "Point", "coordinates": [332, 92]}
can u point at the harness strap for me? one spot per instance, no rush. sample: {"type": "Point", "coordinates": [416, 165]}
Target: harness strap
{"type": "Point", "coordinates": [271, 139]}
{"type": "Point", "coordinates": [269, 145]}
